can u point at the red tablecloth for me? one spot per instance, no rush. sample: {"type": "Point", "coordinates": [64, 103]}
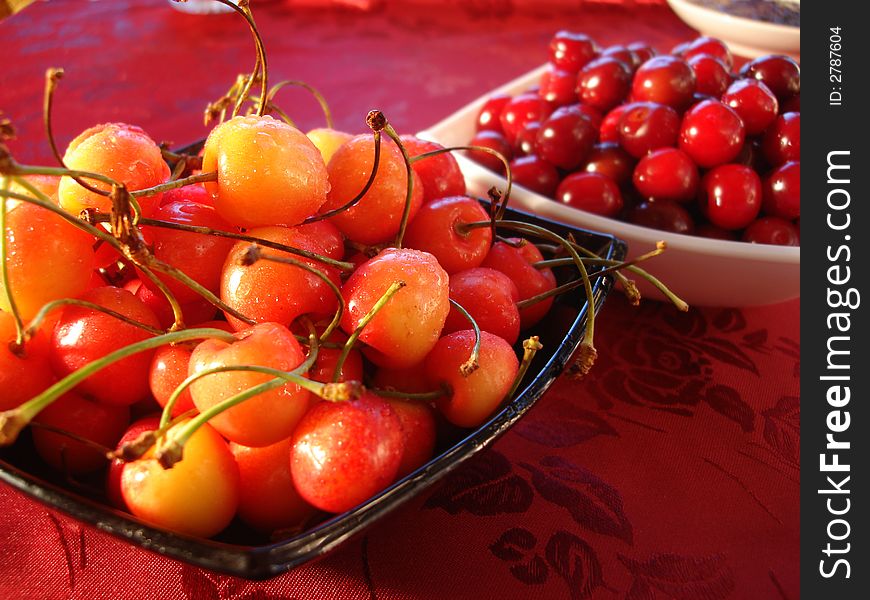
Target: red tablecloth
{"type": "Point", "coordinates": [671, 472]}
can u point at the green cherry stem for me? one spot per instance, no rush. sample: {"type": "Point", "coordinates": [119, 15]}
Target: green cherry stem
{"type": "Point", "coordinates": [472, 364]}
{"type": "Point", "coordinates": [409, 193]}
{"type": "Point", "coordinates": [175, 184]}
{"type": "Point", "coordinates": [324, 106]}
{"type": "Point", "coordinates": [530, 348]}
{"type": "Point", "coordinates": [47, 308]}
{"type": "Point", "coordinates": [415, 396]}
{"type": "Point", "coordinates": [14, 420]}
{"type": "Point", "coordinates": [348, 345]}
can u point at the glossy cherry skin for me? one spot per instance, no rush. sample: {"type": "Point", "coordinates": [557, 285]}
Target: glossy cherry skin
{"type": "Point", "coordinates": [782, 192]}
{"type": "Point", "coordinates": [94, 421]}
{"type": "Point", "coordinates": [435, 230]}
{"type": "Point", "coordinates": [647, 126]}
{"type": "Point", "coordinates": [495, 141]}
{"type": "Point", "coordinates": [527, 138]}
{"type": "Point", "coordinates": [591, 192]}
{"type": "Point", "coordinates": [473, 398]}
{"type": "Point", "coordinates": [23, 377]}
{"type": "Point", "coordinates": [782, 141]}
{"type": "Point", "coordinates": [711, 133]}
{"type": "Point", "coordinates": [418, 433]}
{"type": "Point", "coordinates": [536, 174]}
{"type": "Point", "coordinates": [83, 335]}
{"type": "Point", "coordinates": [772, 230]}
{"type": "Point", "coordinates": [558, 87]}
{"type": "Point", "coordinates": [642, 51]}
{"type": "Point", "coordinates": [611, 160]}
{"type": "Point", "coordinates": [571, 51]}
{"type": "Point", "coordinates": [522, 109]}
{"type": "Point", "coordinates": [345, 452]}
{"type": "Point", "coordinates": [517, 263]}
{"type": "Point", "coordinates": [712, 47]}
{"type": "Point", "coordinates": [408, 325]}
{"type": "Point", "coordinates": [490, 297]}
{"type": "Point", "coordinates": [608, 131]}
{"type": "Point", "coordinates": [662, 214]}
{"type": "Point", "coordinates": [780, 73]}
{"type": "Point", "coordinates": [711, 76]}
{"type": "Point", "coordinates": [113, 476]}
{"type": "Point", "coordinates": [268, 499]}
{"type": "Point", "coordinates": [489, 117]}
{"type": "Point", "coordinates": [440, 175]}
{"type": "Point", "coordinates": [566, 138]}
{"type": "Point", "coordinates": [326, 362]}
{"type": "Point", "coordinates": [667, 174]}
{"type": "Point", "coordinates": [753, 102]}
{"type": "Point", "coordinates": [624, 54]}
{"type": "Point", "coordinates": [730, 196]}
{"type": "Point", "coordinates": [604, 83]}
{"type": "Point", "coordinates": [666, 80]}
{"type": "Point", "coordinates": [198, 496]}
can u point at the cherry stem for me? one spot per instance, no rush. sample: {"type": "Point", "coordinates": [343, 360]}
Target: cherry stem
{"type": "Point", "coordinates": [103, 450]}
{"type": "Point", "coordinates": [356, 199]}
{"type": "Point", "coordinates": [472, 364]}
{"type": "Point", "coordinates": [192, 160]}
{"type": "Point", "coordinates": [530, 348]}
{"type": "Point", "coordinates": [348, 345]}
{"type": "Point", "coordinates": [175, 184]}
{"type": "Point", "coordinates": [612, 265]}
{"type": "Point", "coordinates": [47, 308]}
{"type": "Point", "coordinates": [253, 254]}
{"type": "Point", "coordinates": [16, 347]}
{"type": "Point", "coordinates": [12, 421]}
{"type": "Point", "coordinates": [409, 193]}
{"type": "Point", "coordinates": [415, 396]}
{"type": "Point", "coordinates": [243, 8]}
{"type": "Point", "coordinates": [16, 169]}
{"type": "Point", "coordinates": [324, 106]}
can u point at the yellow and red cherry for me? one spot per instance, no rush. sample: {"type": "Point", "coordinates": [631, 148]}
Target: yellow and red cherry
{"type": "Point", "coordinates": [439, 175]}
{"type": "Point", "coordinates": [490, 297]}
{"type": "Point", "coordinates": [437, 229]}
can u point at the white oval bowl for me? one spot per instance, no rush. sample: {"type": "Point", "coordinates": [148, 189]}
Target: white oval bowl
{"type": "Point", "coordinates": [702, 271]}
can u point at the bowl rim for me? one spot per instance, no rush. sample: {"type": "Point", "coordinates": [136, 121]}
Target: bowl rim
{"type": "Point", "coordinates": [723, 17]}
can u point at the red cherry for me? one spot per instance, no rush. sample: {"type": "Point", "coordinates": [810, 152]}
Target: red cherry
{"type": "Point", "coordinates": [566, 138]}
{"type": "Point", "coordinates": [782, 192]}
{"type": "Point", "coordinates": [609, 129]}
{"type": "Point", "coordinates": [113, 477]}
{"type": "Point", "coordinates": [418, 433]}
{"type": "Point", "coordinates": [536, 174]}
{"type": "Point", "coordinates": [667, 174]}
{"type": "Point", "coordinates": [591, 192]}
{"type": "Point", "coordinates": [558, 87]}
{"type": "Point", "coordinates": [327, 361]}
{"type": "Point", "coordinates": [345, 452]}
{"type": "Point", "coordinates": [711, 76]}
{"type": "Point", "coordinates": [610, 160]}
{"type": "Point", "coordinates": [23, 377]}
{"type": "Point", "coordinates": [517, 263]}
{"type": "Point", "coordinates": [522, 109]}
{"type": "Point", "coordinates": [489, 117]}
{"type": "Point", "coordinates": [624, 54]}
{"type": "Point", "coordinates": [571, 51]}
{"type": "Point", "coordinates": [782, 141]}
{"type": "Point", "coordinates": [604, 83]}
{"type": "Point", "coordinates": [780, 73]}
{"type": "Point", "coordinates": [711, 47]}
{"type": "Point", "coordinates": [440, 175]}
{"type": "Point", "coordinates": [527, 138]}
{"type": "Point", "coordinates": [711, 133]}
{"type": "Point", "coordinates": [772, 230]}
{"type": "Point", "coordinates": [495, 141]}
{"type": "Point", "coordinates": [662, 214]}
{"type": "Point", "coordinates": [666, 80]}
{"type": "Point", "coordinates": [793, 104]}
{"type": "Point", "coordinates": [490, 297]}
{"type": "Point", "coordinates": [753, 102]}
{"type": "Point", "coordinates": [642, 51]}
{"type": "Point", "coordinates": [731, 196]}
{"type": "Point", "coordinates": [647, 126]}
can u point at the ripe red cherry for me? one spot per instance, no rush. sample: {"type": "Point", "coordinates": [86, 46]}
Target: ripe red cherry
{"type": "Point", "coordinates": [647, 126]}
{"type": "Point", "coordinates": [591, 192]}
{"type": "Point", "coordinates": [753, 102]}
{"type": "Point", "coordinates": [489, 117]}
{"type": "Point", "coordinates": [571, 51]}
{"type": "Point", "coordinates": [711, 47]}
{"type": "Point", "coordinates": [474, 397]}
{"type": "Point", "coordinates": [536, 174]}
{"type": "Point", "coordinates": [780, 73]}
{"type": "Point", "coordinates": [666, 80]}
{"type": "Point", "coordinates": [408, 325]}
{"type": "Point", "coordinates": [782, 141]}
{"type": "Point", "coordinates": [566, 138]}
{"type": "Point", "coordinates": [782, 191]}
{"type": "Point", "coordinates": [667, 174]}
{"type": "Point", "coordinates": [731, 196]}
{"type": "Point", "coordinates": [113, 477]}
{"type": "Point", "coordinates": [435, 230]}
{"type": "Point", "coordinates": [440, 175]}
{"type": "Point", "coordinates": [517, 263]}
{"type": "Point", "coordinates": [527, 138]}
{"type": "Point", "coordinates": [604, 83]}
{"type": "Point", "coordinates": [662, 214]}
{"type": "Point", "coordinates": [711, 76]}
{"type": "Point", "coordinates": [610, 160]}
{"type": "Point", "coordinates": [558, 87]}
{"type": "Point", "coordinates": [624, 54]}
{"type": "Point", "coordinates": [83, 335]}
{"type": "Point", "coordinates": [23, 377]}
{"type": "Point", "coordinates": [772, 230]}
{"type": "Point", "coordinates": [642, 51]}
{"type": "Point", "coordinates": [522, 109]}
{"type": "Point", "coordinates": [609, 129]}
{"type": "Point", "coordinates": [495, 141]}
{"type": "Point", "coordinates": [490, 297]}
{"type": "Point", "coordinates": [711, 133]}
{"type": "Point", "coordinates": [345, 452]}
{"type": "Point", "coordinates": [326, 362]}
{"type": "Point", "coordinates": [418, 433]}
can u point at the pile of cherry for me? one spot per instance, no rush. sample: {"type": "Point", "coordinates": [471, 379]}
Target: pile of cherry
{"type": "Point", "coordinates": [675, 142]}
